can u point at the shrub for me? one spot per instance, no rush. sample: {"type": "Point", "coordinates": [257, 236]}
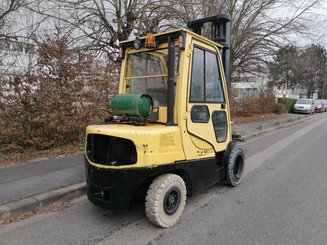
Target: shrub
{"type": "Point", "coordinates": [266, 101]}
{"type": "Point", "coordinates": [249, 105]}
{"type": "Point", "coordinates": [288, 103]}
{"type": "Point", "coordinates": [280, 108]}
{"type": "Point", "coordinates": [46, 108]}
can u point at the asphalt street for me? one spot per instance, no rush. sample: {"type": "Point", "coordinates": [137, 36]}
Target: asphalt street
{"type": "Point", "coordinates": [282, 200]}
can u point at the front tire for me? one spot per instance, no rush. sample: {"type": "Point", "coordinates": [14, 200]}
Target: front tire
{"type": "Point", "coordinates": [235, 166]}
{"type": "Point", "coordinates": [165, 200]}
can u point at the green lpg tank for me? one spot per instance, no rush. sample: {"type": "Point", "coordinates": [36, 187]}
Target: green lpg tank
{"type": "Point", "coordinates": [131, 105]}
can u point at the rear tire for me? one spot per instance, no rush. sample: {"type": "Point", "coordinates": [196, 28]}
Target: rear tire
{"type": "Point", "coordinates": [235, 166]}
{"type": "Point", "coordinates": [165, 200]}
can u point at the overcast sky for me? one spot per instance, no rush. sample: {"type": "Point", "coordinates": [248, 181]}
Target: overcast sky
{"type": "Point", "coordinates": [318, 27]}
{"type": "Point", "coordinates": [316, 23]}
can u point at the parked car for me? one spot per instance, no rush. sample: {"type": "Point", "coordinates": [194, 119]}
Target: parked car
{"type": "Point", "coordinates": [320, 105]}
{"type": "Point", "coordinates": [325, 104]}
{"type": "Point", "coordinates": [304, 106]}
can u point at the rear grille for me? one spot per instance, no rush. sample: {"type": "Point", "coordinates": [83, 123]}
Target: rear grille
{"type": "Point", "coordinates": [109, 150]}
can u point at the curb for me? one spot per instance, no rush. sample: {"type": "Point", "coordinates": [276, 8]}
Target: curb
{"type": "Point", "coordinates": [279, 125]}
{"type": "Point", "coordinates": [20, 207]}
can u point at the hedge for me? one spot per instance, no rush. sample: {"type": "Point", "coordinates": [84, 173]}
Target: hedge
{"type": "Point", "coordinates": [289, 103]}
{"type": "Point", "coordinates": [280, 108]}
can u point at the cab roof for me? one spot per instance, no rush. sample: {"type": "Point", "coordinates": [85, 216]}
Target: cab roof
{"type": "Point", "coordinates": [163, 38]}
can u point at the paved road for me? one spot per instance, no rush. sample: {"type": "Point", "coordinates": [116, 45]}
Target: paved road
{"type": "Point", "coordinates": [283, 200]}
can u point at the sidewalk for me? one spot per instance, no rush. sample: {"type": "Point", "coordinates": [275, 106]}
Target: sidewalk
{"type": "Point", "coordinates": [26, 186]}
{"type": "Point", "coordinates": [252, 129]}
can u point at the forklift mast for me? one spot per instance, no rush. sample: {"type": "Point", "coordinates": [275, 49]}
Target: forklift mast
{"type": "Point", "coordinates": [216, 28]}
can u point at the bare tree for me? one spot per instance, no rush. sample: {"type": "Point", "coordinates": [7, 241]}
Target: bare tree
{"type": "Point", "coordinates": [303, 68]}
{"type": "Point", "coordinates": [99, 25]}
{"type": "Point", "coordinates": [285, 69]}
{"type": "Point", "coordinates": [257, 30]}
{"type": "Point", "coordinates": [258, 26]}
{"type": "Point", "coordinates": [7, 8]}
{"type": "Point", "coordinates": [313, 62]}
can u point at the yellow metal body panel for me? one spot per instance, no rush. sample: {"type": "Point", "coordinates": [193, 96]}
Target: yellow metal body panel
{"type": "Point", "coordinates": [155, 144]}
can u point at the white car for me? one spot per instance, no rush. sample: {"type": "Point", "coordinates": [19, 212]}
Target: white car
{"type": "Point", "coordinates": [304, 106]}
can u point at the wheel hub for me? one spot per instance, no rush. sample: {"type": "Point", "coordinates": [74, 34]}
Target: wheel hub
{"type": "Point", "coordinates": [171, 201]}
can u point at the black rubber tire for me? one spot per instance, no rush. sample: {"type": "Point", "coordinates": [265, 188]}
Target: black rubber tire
{"type": "Point", "coordinates": [235, 166]}
{"type": "Point", "coordinates": [165, 200]}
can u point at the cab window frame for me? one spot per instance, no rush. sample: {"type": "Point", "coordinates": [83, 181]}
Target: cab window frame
{"type": "Point", "coordinates": [219, 82]}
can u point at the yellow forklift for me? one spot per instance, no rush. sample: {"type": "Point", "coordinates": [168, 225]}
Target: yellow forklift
{"type": "Point", "coordinates": [169, 133]}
